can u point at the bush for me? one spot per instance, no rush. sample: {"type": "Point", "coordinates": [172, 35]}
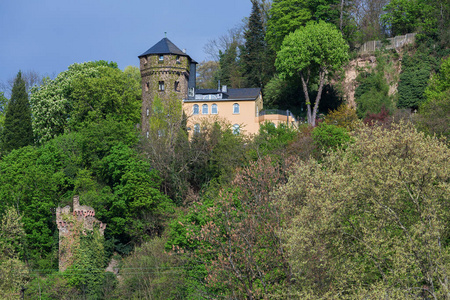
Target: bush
{"type": "Point", "coordinates": [330, 137]}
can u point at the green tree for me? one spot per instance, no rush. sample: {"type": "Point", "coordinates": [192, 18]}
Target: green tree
{"type": "Point", "coordinates": [414, 78]}
{"type": "Point", "coordinates": [231, 237]}
{"type": "Point", "coordinates": [407, 16]}
{"type": "Point", "coordinates": [83, 93]}
{"type": "Point", "coordinates": [285, 16]}
{"type": "Point", "coordinates": [207, 72]}
{"type": "Point", "coordinates": [312, 53]}
{"type": "Point", "coordinates": [3, 105]}
{"type": "Point", "coordinates": [13, 272]}
{"type": "Point", "coordinates": [231, 73]}
{"type": "Point", "coordinates": [372, 93]}
{"type": "Point", "coordinates": [256, 56]}
{"type": "Point", "coordinates": [371, 219]}
{"type": "Point", "coordinates": [434, 112]}
{"type": "Point", "coordinates": [17, 130]}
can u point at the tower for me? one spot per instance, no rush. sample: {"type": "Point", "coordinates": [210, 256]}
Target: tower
{"type": "Point", "coordinates": [165, 72]}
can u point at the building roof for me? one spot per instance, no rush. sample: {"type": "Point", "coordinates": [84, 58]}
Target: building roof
{"type": "Point", "coordinates": [230, 94]}
{"type": "Point", "coordinates": [164, 46]}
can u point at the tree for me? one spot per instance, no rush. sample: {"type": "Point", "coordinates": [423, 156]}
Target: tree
{"type": "Point", "coordinates": [17, 132]}
{"type": "Point", "coordinates": [285, 16]}
{"type": "Point", "coordinates": [3, 105]}
{"type": "Point", "coordinates": [312, 53]}
{"type": "Point", "coordinates": [83, 93]}
{"type": "Point", "coordinates": [207, 72]}
{"type": "Point", "coordinates": [414, 78]}
{"type": "Point", "coordinates": [231, 236]}
{"type": "Point", "coordinates": [434, 112]}
{"type": "Point", "coordinates": [231, 73]}
{"type": "Point", "coordinates": [372, 219]}
{"type": "Point", "coordinates": [13, 272]}
{"type": "Point", "coordinates": [255, 56]}
{"type": "Point", "coordinates": [407, 16]}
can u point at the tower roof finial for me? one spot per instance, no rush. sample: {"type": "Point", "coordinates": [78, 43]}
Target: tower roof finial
{"type": "Point", "coordinates": [165, 33]}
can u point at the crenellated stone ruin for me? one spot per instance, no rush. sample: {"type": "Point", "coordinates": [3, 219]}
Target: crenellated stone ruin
{"type": "Point", "coordinates": [71, 226]}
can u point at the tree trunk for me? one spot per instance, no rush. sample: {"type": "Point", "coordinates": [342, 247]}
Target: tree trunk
{"type": "Point", "coordinates": [319, 94]}
{"type": "Point", "coordinates": [305, 91]}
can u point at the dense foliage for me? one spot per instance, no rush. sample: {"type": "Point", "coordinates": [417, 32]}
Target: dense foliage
{"type": "Point", "coordinates": [356, 206]}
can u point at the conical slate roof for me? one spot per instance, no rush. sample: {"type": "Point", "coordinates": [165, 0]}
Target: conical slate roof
{"type": "Point", "coordinates": [164, 46]}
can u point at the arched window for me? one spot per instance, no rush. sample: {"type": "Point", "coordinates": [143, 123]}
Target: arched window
{"type": "Point", "coordinates": [236, 129]}
{"type": "Point", "coordinates": [195, 109]}
{"type": "Point", "coordinates": [197, 128]}
{"type": "Point", "coordinates": [204, 109]}
{"type": "Point", "coordinates": [235, 108]}
{"type": "Point", "coordinates": [214, 109]}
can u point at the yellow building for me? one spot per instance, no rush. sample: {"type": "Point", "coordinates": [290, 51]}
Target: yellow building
{"type": "Point", "coordinates": [165, 67]}
{"type": "Point", "coordinates": [239, 107]}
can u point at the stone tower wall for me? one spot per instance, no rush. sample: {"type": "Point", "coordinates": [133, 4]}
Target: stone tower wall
{"type": "Point", "coordinates": [174, 68]}
{"type": "Point", "coordinates": [71, 226]}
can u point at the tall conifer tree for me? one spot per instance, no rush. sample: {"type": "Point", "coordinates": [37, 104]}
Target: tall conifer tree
{"type": "Point", "coordinates": [255, 58]}
{"type": "Point", "coordinates": [18, 131]}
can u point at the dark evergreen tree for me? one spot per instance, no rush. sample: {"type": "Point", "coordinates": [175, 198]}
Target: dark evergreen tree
{"type": "Point", "coordinates": [230, 72]}
{"type": "Point", "coordinates": [257, 59]}
{"type": "Point", "coordinates": [17, 131]}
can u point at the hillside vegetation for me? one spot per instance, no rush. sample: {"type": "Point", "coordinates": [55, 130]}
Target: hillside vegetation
{"type": "Point", "coordinates": [353, 203]}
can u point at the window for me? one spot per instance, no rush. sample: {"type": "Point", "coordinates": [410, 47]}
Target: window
{"type": "Point", "coordinates": [197, 128]}
{"type": "Point", "coordinates": [204, 109]}
{"type": "Point", "coordinates": [214, 109]}
{"type": "Point", "coordinates": [148, 112]}
{"type": "Point", "coordinates": [235, 108]}
{"type": "Point", "coordinates": [195, 109]}
{"type": "Point", "coordinates": [176, 86]}
{"type": "Point", "coordinates": [145, 59]}
{"type": "Point", "coordinates": [178, 59]}
{"type": "Point", "coordinates": [236, 129]}
{"type": "Point", "coordinates": [161, 58]}
{"type": "Point", "coordinates": [191, 92]}
{"type": "Point", "coordinates": [147, 85]}
{"type": "Point", "coordinates": [147, 134]}
{"type": "Point", "coordinates": [161, 86]}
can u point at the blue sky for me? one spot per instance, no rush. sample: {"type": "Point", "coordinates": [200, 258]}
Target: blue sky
{"type": "Point", "coordinates": [48, 35]}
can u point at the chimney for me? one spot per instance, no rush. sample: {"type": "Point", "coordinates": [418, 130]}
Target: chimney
{"type": "Point", "coordinates": [192, 80]}
{"type": "Point", "coordinates": [224, 89]}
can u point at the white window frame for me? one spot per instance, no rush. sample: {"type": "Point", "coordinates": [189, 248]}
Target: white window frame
{"type": "Point", "coordinates": [236, 129]}
{"type": "Point", "coordinates": [205, 109]}
{"type": "Point", "coordinates": [195, 109]}
{"type": "Point", "coordinates": [236, 109]}
{"type": "Point", "coordinates": [196, 128]}
{"type": "Point", "coordinates": [214, 109]}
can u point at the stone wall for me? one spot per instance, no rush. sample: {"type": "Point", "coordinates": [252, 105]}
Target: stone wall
{"type": "Point", "coordinates": [71, 226]}
{"type": "Point", "coordinates": [174, 68]}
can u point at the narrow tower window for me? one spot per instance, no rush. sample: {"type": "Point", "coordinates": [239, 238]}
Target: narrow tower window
{"type": "Point", "coordinates": [176, 86]}
{"type": "Point", "coordinates": [161, 58]}
{"type": "Point", "coordinates": [161, 86]}
{"type": "Point", "coordinates": [147, 85]}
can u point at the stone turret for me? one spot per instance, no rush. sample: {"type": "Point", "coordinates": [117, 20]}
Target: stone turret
{"type": "Point", "coordinates": [71, 226]}
{"type": "Point", "coordinates": [166, 72]}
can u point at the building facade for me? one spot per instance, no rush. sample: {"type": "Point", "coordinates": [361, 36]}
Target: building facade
{"type": "Point", "coordinates": [169, 72]}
